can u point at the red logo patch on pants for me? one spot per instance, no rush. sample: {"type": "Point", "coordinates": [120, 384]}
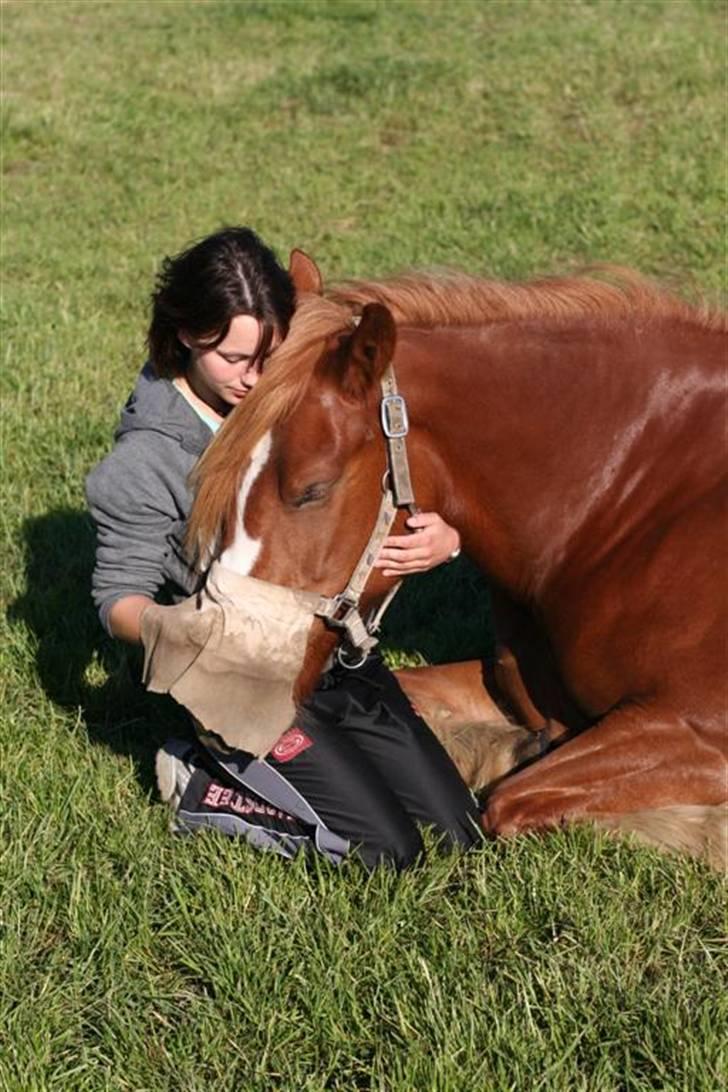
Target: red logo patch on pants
{"type": "Point", "coordinates": [291, 744]}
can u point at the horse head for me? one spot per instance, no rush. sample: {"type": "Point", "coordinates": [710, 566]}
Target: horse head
{"type": "Point", "coordinates": [292, 487]}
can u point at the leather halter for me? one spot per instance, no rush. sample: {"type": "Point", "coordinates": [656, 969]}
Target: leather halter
{"type": "Point", "coordinates": [341, 611]}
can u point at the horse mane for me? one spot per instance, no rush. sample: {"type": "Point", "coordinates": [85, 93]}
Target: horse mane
{"type": "Point", "coordinates": [449, 298]}
{"type": "Point", "coordinates": [442, 298]}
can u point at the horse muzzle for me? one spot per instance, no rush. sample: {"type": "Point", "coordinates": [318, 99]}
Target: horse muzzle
{"type": "Point", "coordinates": [231, 655]}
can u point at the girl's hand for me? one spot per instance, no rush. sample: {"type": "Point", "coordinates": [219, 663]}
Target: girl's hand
{"type": "Point", "coordinates": [434, 542]}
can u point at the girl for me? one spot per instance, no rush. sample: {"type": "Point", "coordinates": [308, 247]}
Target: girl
{"type": "Point", "coordinates": [360, 770]}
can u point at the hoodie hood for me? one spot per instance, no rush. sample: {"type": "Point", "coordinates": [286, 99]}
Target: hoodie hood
{"type": "Point", "coordinates": [155, 405]}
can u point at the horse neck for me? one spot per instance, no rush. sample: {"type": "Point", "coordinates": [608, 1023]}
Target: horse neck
{"type": "Point", "coordinates": [521, 426]}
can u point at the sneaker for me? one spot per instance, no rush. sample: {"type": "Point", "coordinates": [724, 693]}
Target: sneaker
{"type": "Point", "coordinates": [174, 766]}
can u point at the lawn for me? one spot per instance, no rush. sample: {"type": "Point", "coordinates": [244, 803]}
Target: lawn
{"type": "Point", "coordinates": [509, 138]}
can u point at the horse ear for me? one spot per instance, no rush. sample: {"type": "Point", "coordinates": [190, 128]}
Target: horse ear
{"type": "Point", "coordinates": [364, 356]}
{"type": "Point", "coordinates": [305, 274]}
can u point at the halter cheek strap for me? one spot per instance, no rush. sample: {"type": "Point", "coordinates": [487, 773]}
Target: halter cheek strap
{"type": "Point", "coordinates": [341, 611]}
{"type": "Point", "coordinates": [395, 426]}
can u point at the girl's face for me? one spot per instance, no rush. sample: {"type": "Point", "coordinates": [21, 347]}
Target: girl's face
{"type": "Point", "coordinates": [223, 376]}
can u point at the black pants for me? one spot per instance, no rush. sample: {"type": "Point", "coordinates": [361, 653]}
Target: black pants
{"type": "Point", "coordinates": [359, 771]}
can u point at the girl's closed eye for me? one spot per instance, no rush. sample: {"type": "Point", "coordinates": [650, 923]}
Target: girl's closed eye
{"type": "Point", "coordinates": [231, 358]}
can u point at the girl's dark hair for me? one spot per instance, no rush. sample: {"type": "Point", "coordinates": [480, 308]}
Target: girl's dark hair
{"type": "Point", "coordinates": [202, 289]}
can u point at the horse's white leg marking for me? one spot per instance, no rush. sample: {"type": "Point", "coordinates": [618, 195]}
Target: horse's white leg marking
{"type": "Point", "coordinates": [243, 551]}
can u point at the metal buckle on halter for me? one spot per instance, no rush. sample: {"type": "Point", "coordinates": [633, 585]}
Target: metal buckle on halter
{"type": "Point", "coordinates": [344, 615]}
{"type": "Point", "coordinates": [393, 413]}
{"type": "Point", "coordinates": [342, 658]}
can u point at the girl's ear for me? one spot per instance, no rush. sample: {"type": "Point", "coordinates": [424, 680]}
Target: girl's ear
{"type": "Point", "coordinates": [185, 338]}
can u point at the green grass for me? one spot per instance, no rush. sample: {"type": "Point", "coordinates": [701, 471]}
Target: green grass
{"type": "Point", "coordinates": [507, 138]}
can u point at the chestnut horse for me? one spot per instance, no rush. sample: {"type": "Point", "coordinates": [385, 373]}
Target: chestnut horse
{"type": "Point", "coordinates": [573, 431]}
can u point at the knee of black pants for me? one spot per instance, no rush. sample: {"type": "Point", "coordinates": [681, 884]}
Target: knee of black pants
{"type": "Point", "coordinates": [458, 828]}
{"type": "Point", "coordinates": [397, 845]}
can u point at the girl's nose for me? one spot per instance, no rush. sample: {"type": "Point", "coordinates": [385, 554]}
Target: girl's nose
{"type": "Point", "coordinates": [250, 377]}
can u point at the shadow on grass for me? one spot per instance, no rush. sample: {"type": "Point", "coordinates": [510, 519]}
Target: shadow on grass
{"type": "Point", "coordinates": [443, 616]}
{"type": "Point", "coordinates": [78, 665]}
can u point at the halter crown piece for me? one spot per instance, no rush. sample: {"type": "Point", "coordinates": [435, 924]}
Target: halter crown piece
{"type": "Point", "coordinates": [341, 611]}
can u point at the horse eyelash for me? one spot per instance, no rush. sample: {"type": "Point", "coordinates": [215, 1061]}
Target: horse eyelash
{"type": "Point", "coordinates": [314, 492]}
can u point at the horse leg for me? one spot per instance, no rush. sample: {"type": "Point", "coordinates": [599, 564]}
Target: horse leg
{"type": "Point", "coordinates": [524, 672]}
{"type": "Point", "coordinates": [457, 704]}
{"type": "Point", "coordinates": [651, 765]}
{"type": "Point", "coordinates": [457, 692]}
{"type": "Point", "coordinates": [509, 680]}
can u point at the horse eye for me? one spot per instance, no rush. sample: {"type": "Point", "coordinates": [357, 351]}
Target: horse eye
{"type": "Point", "coordinates": [314, 492]}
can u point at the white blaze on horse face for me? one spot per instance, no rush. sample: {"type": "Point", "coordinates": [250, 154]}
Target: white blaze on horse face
{"type": "Point", "coordinates": [242, 553]}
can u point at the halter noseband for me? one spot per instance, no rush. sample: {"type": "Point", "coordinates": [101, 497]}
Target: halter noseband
{"type": "Point", "coordinates": [341, 612]}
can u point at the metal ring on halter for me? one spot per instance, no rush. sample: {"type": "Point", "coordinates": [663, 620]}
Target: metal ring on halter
{"type": "Point", "coordinates": [386, 481]}
{"type": "Point", "coordinates": [343, 662]}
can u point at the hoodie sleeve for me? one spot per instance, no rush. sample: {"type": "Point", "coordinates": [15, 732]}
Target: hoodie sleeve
{"type": "Point", "coordinates": [137, 498]}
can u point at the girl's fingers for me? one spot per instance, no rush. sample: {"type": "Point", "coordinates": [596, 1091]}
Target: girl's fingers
{"type": "Point", "coordinates": [412, 551]}
{"type": "Point", "coordinates": [403, 570]}
{"type": "Point", "coordinates": [424, 519]}
{"type": "Point", "coordinates": [402, 565]}
{"type": "Point", "coordinates": [397, 556]}
{"type": "Point", "coordinates": [421, 541]}
{"type": "Point", "coordinates": [401, 542]}
{"type": "Point", "coordinates": [398, 560]}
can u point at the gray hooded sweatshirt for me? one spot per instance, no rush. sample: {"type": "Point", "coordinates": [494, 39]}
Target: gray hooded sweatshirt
{"type": "Point", "coordinates": [139, 497]}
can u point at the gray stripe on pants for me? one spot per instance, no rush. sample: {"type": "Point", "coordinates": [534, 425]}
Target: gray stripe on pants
{"type": "Point", "coordinates": [287, 845]}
